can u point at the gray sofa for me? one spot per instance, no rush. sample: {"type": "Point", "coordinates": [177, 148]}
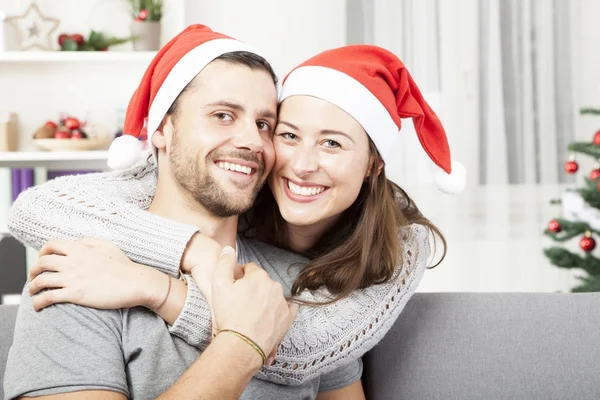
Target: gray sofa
{"type": "Point", "coordinates": [475, 346]}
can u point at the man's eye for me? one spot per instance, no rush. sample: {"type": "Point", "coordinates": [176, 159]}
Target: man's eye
{"type": "Point", "coordinates": [264, 126]}
{"type": "Point", "coordinates": [224, 117]}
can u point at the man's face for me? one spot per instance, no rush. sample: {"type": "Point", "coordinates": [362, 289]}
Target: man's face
{"type": "Point", "coordinates": [219, 142]}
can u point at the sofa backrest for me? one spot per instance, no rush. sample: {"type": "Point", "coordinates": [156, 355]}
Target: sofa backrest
{"type": "Point", "coordinates": [8, 314]}
{"type": "Point", "coordinates": [489, 346]}
{"type": "Point", "coordinates": [473, 346]}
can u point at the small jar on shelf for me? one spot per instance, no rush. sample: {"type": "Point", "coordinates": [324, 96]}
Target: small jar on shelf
{"type": "Point", "coordinates": [8, 131]}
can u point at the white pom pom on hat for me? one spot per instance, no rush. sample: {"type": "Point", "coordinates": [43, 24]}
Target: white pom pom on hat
{"type": "Point", "coordinates": [124, 152]}
{"type": "Point", "coordinates": [450, 183]}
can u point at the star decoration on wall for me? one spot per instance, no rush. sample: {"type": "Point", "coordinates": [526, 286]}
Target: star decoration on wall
{"type": "Point", "coordinates": [33, 29]}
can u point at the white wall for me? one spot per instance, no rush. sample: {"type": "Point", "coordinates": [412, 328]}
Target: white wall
{"type": "Point", "coordinates": [288, 32]}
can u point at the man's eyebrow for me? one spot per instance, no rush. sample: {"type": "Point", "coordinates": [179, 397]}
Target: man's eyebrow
{"type": "Point", "coordinates": [228, 104]}
{"type": "Point", "coordinates": [266, 113]}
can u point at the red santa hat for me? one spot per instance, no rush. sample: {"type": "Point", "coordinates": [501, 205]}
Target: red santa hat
{"type": "Point", "coordinates": [175, 65]}
{"type": "Point", "coordinates": [373, 86]}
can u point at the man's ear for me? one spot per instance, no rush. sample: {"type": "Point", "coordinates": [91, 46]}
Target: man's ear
{"type": "Point", "coordinates": [160, 136]}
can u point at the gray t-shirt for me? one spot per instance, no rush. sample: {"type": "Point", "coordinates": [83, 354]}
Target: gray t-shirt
{"type": "Point", "coordinates": [67, 348]}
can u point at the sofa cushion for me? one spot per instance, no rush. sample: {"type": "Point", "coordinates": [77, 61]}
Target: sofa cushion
{"type": "Point", "coordinates": [489, 346]}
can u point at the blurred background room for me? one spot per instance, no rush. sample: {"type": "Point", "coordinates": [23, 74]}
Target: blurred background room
{"type": "Point", "coordinates": [516, 84]}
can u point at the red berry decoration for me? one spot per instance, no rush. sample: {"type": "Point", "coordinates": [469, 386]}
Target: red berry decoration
{"type": "Point", "coordinates": [143, 14]}
{"type": "Point", "coordinates": [571, 167]}
{"type": "Point", "coordinates": [78, 134]}
{"type": "Point", "coordinates": [595, 174]}
{"type": "Point", "coordinates": [62, 38]}
{"type": "Point", "coordinates": [597, 138]}
{"type": "Point", "coordinates": [51, 124]}
{"type": "Point", "coordinates": [73, 123]}
{"type": "Point", "coordinates": [554, 226]}
{"type": "Point", "coordinates": [587, 244]}
{"type": "Point", "coordinates": [78, 38]}
{"type": "Point", "coordinates": [62, 134]}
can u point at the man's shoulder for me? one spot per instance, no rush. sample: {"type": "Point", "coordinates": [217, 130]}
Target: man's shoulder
{"type": "Point", "coordinates": [253, 248]}
{"type": "Point", "coordinates": [281, 265]}
{"type": "Point", "coordinates": [65, 346]}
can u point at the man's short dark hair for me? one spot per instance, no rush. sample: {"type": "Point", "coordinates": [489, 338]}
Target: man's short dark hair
{"type": "Point", "coordinates": [245, 58]}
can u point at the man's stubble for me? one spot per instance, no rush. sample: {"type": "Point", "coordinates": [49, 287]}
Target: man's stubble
{"type": "Point", "coordinates": [194, 177]}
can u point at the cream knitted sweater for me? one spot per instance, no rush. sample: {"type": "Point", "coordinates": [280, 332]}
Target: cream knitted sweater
{"type": "Point", "coordinates": [113, 206]}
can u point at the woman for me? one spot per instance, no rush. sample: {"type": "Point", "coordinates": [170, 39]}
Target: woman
{"type": "Point", "coordinates": [335, 206]}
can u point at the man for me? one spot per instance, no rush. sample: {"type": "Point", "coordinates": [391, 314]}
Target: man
{"type": "Point", "coordinates": [204, 109]}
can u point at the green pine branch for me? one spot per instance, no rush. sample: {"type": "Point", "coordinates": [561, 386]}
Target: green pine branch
{"type": "Point", "coordinates": [589, 111]}
{"type": "Point", "coordinates": [587, 148]}
{"type": "Point", "coordinates": [563, 258]}
{"type": "Point", "coordinates": [589, 284]}
{"type": "Point", "coordinates": [569, 230]}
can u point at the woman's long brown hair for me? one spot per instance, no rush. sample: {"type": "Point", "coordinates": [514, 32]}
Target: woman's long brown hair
{"type": "Point", "coordinates": [362, 249]}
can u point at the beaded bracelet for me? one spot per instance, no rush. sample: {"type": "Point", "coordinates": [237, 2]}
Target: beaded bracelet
{"type": "Point", "coordinates": [247, 340]}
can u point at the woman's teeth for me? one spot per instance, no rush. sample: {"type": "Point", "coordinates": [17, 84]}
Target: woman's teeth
{"type": "Point", "coordinates": [234, 167]}
{"type": "Point", "coordinates": [305, 190]}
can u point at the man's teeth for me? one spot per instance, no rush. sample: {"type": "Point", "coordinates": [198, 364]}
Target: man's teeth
{"type": "Point", "coordinates": [304, 190]}
{"type": "Point", "coordinates": [234, 167]}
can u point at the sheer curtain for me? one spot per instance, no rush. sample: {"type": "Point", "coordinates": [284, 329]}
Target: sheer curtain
{"type": "Point", "coordinates": [499, 73]}
{"type": "Point", "coordinates": [526, 89]}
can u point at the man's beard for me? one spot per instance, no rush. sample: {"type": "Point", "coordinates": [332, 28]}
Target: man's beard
{"type": "Point", "coordinates": [204, 188]}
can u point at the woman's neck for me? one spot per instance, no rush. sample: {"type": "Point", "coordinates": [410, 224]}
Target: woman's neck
{"type": "Point", "coordinates": [301, 238]}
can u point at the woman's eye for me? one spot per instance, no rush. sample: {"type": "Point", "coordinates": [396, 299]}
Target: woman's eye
{"type": "Point", "coordinates": [332, 144]}
{"type": "Point", "coordinates": [288, 136]}
{"type": "Point", "coordinates": [224, 117]}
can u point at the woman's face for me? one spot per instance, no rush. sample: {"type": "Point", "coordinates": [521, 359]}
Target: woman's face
{"type": "Point", "coordinates": [322, 160]}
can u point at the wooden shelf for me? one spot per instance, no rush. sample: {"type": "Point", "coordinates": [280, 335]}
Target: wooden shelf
{"type": "Point", "coordinates": [76, 56]}
{"type": "Point", "coordinates": [55, 159]}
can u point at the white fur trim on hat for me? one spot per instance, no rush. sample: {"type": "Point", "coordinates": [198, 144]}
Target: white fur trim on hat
{"type": "Point", "coordinates": [452, 183]}
{"type": "Point", "coordinates": [124, 152]}
{"type": "Point", "coordinates": [351, 96]}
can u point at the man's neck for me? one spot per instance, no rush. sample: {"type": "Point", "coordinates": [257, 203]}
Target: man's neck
{"type": "Point", "coordinates": [171, 202]}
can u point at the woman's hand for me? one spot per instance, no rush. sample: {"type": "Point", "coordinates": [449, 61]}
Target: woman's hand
{"type": "Point", "coordinates": [93, 273]}
{"type": "Point", "coordinates": [200, 260]}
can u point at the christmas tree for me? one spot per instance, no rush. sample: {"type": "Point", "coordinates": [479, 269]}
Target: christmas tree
{"type": "Point", "coordinates": [580, 217]}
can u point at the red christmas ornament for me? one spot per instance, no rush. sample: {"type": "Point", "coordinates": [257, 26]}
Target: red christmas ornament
{"type": "Point", "coordinates": [595, 174]}
{"type": "Point", "coordinates": [554, 226]}
{"type": "Point", "coordinates": [597, 138]}
{"type": "Point", "coordinates": [587, 243]}
{"type": "Point", "coordinates": [571, 167]}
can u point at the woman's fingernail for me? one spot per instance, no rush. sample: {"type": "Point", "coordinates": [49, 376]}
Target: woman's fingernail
{"type": "Point", "coordinates": [227, 250]}
{"type": "Point", "coordinates": [270, 361]}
